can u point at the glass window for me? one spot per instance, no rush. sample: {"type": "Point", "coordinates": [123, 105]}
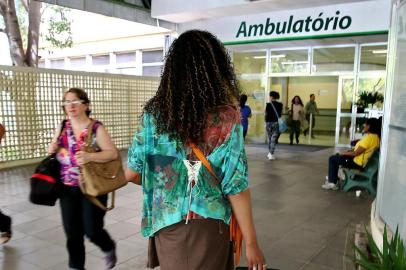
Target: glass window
{"type": "Point", "coordinates": [78, 62]}
{"type": "Point", "coordinates": [58, 63]}
{"type": "Point", "coordinates": [154, 71]}
{"type": "Point", "coordinates": [127, 71]}
{"type": "Point", "coordinates": [373, 58]}
{"type": "Point", "coordinates": [100, 60]}
{"type": "Point", "coordinates": [41, 63]}
{"type": "Point", "coordinates": [124, 58]}
{"type": "Point", "coordinates": [255, 91]}
{"type": "Point", "coordinates": [249, 62]}
{"type": "Point", "coordinates": [152, 56]}
{"type": "Point", "coordinates": [333, 59]}
{"type": "Point", "coordinates": [370, 93]}
{"type": "Point", "coordinates": [346, 95]}
{"type": "Point", "coordinates": [289, 61]}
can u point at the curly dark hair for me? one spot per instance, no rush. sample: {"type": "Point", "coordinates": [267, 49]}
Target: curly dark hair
{"type": "Point", "coordinates": [300, 100]}
{"type": "Point", "coordinates": [197, 78]}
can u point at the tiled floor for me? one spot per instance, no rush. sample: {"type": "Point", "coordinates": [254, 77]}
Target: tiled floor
{"type": "Point", "coordinates": [299, 225]}
{"type": "Point", "coordinates": [327, 140]}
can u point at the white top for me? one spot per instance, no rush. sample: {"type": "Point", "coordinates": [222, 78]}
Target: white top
{"type": "Point", "coordinates": [297, 112]}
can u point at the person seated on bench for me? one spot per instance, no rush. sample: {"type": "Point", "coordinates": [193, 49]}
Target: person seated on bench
{"type": "Point", "coordinates": [356, 158]}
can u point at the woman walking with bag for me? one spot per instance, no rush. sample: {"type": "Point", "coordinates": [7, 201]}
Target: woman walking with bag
{"type": "Point", "coordinates": [273, 111]}
{"type": "Point", "coordinates": [189, 158]}
{"type": "Point", "coordinates": [80, 216]}
{"type": "Point", "coordinates": [297, 114]}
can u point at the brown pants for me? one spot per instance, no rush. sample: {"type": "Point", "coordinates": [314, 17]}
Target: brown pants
{"type": "Point", "coordinates": [202, 244]}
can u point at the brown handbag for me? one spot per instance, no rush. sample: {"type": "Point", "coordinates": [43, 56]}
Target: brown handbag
{"type": "Point", "coordinates": [100, 178]}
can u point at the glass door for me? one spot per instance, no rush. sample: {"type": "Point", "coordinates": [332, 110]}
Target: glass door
{"type": "Point", "coordinates": [345, 112]}
{"type": "Point", "coordinates": [250, 68]}
{"type": "Point", "coordinates": [369, 100]}
{"type": "Point", "coordinates": [353, 108]}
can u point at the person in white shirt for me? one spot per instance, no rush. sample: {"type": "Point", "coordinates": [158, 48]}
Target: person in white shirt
{"type": "Point", "coordinates": [297, 114]}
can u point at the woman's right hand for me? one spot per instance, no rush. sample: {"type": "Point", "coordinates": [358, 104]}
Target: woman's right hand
{"type": "Point", "coordinates": [52, 148]}
{"type": "Point", "coordinates": [255, 257]}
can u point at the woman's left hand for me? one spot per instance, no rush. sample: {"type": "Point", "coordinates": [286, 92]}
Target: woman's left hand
{"type": "Point", "coordinates": [82, 157]}
{"type": "Point", "coordinates": [255, 257]}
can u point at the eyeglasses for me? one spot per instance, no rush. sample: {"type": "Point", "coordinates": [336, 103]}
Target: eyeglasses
{"type": "Point", "coordinates": [72, 102]}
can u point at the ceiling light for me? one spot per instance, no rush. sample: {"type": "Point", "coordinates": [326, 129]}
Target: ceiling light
{"type": "Point", "coordinates": [278, 55]}
{"type": "Point", "coordinates": [294, 62]}
{"type": "Point", "coordinates": [380, 51]}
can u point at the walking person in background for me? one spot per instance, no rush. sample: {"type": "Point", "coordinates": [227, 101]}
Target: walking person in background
{"type": "Point", "coordinates": [297, 114]}
{"type": "Point", "coordinates": [80, 216]}
{"type": "Point", "coordinates": [245, 112]}
{"type": "Point", "coordinates": [311, 110]}
{"type": "Point", "coordinates": [272, 111]}
{"type": "Point", "coordinates": [5, 221]}
{"type": "Point", "coordinates": [188, 202]}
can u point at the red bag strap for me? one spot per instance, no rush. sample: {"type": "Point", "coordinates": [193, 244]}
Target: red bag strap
{"type": "Point", "coordinates": [199, 154]}
{"type": "Point", "coordinates": [235, 230]}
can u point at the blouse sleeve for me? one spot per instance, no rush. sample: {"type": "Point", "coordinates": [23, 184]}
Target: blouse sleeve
{"type": "Point", "coordinates": [364, 143]}
{"type": "Point", "coordinates": [136, 152]}
{"type": "Point", "coordinates": [235, 168]}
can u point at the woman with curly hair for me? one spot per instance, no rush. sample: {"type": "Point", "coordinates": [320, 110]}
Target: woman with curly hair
{"type": "Point", "coordinates": [297, 114]}
{"type": "Point", "coordinates": [188, 203]}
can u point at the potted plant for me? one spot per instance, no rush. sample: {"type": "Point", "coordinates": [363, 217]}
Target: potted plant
{"type": "Point", "coordinates": [368, 99]}
{"type": "Point", "coordinates": [392, 256]}
{"type": "Point", "coordinates": [362, 101]}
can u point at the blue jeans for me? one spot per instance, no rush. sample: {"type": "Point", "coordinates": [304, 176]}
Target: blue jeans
{"type": "Point", "coordinates": [272, 128]}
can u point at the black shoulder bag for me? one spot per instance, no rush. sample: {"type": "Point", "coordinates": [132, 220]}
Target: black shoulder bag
{"type": "Point", "coordinates": [46, 181]}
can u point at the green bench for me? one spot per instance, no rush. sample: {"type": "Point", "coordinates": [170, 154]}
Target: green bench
{"type": "Point", "coordinates": [365, 179]}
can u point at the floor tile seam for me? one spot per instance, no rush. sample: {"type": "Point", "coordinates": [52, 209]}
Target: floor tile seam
{"type": "Point", "coordinates": [21, 257]}
{"type": "Point", "coordinates": [303, 162]}
{"type": "Point", "coordinates": [308, 263]}
{"type": "Point", "coordinates": [41, 247]}
{"type": "Point", "coordinates": [30, 263]}
{"type": "Point", "coordinates": [124, 262]}
{"type": "Point", "coordinates": [318, 252]}
{"type": "Point", "coordinates": [292, 229]}
{"type": "Point", "coordinates": [345, 256]}
{"type": "Point", "coordinates": [33, 234]}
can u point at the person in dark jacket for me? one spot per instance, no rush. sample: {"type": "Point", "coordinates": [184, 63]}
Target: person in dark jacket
{"type": "Point", "coordinates": [246, 113]}
{"type": "Point", "coordinates": [273, 110]}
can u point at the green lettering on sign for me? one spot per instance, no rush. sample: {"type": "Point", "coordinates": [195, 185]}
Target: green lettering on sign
{"type": "Point", "coordinates": [242, 29]}
{"type": "Point", "coordinates": [299, 25]}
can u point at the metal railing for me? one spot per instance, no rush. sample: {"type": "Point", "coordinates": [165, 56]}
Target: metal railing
{"type": "Point", "coordinates": [30, 107]}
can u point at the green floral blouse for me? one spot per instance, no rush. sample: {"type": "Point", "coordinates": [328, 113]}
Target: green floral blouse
{"type": "Point", "coordinates": [165, 176]}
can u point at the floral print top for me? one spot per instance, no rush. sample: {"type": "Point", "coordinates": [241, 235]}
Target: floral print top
{"type": "Point", "coordinates": [164, 175]}
{"type": "Point", "coordinates": [68, 146]}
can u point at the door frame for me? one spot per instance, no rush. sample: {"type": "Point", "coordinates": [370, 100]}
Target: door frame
{"type": "Point", "coordinates": [339, 114]}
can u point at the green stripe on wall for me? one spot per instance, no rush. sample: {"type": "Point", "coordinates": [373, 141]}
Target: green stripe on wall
{"type": "Point", "coordinates": [354, 34]}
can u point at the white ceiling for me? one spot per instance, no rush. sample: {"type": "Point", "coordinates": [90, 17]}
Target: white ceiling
{"type": "Point", "coordinates": [180, 11]}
